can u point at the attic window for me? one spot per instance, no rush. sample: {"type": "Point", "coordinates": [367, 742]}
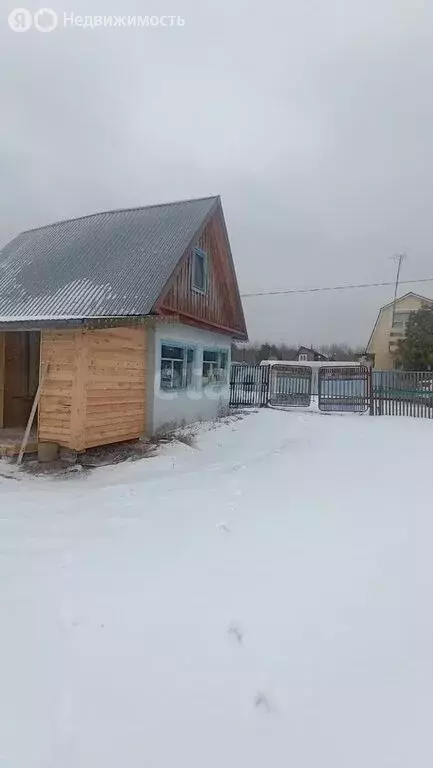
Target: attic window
{"type": "Point", "coordinates": [199, 270]}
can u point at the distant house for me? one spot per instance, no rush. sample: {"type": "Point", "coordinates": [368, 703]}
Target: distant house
{"type": "Point", "coordinates": [124, 320]}
{"type": "Point", "coordinates": [308, 354]}
{"type": "Point", "coordinates": [390, 327]}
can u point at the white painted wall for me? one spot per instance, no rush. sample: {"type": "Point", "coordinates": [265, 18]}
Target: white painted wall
{"type": "Point", "coordinates": [195, 403]}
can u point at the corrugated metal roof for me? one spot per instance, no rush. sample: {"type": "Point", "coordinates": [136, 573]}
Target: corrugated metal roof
{"type": "Point", "coordinates": [105, 265]}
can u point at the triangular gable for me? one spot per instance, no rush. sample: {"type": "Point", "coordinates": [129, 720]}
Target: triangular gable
{"type": "Point", "coordinates": [405, 296]}
{"type": "Point", "coordinates": [390, 303]}
{"type": "Point", "coordinates": [219, 308]}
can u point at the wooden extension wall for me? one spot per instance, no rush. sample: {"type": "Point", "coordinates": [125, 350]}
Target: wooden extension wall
{"type": "Point", "coordinates": [115, 387]}
{"type": "Point", "coordinates": [95, 390]}
{"type": "Point", "coordinates": [59, 348]}
{"type": "Point", "coordinates": [2, 376]}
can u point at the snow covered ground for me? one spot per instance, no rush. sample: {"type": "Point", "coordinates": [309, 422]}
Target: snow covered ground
{"type": "Point", "coordinates": [264, 599]}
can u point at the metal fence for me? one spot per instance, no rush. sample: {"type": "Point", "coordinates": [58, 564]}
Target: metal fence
{"type": "Point", "coordinates": [402, 393]}
{"type": "Point", "coordinates": [334, 388]}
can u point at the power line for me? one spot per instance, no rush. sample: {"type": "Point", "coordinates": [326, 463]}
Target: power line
{"type": "Point", "coordinates": [336, 288]}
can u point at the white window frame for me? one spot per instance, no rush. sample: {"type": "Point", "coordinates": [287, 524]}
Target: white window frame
{"type": "Point", "coordinates": [187, 380]}
{"type": "Point", "coordinates": [199, 253]}
{"type": "Point", "coordinates": [303, 358]}
{"type": "Point", "coordinates": [219, 373]}
{"type": "Point", "coordinates": [401, 319]}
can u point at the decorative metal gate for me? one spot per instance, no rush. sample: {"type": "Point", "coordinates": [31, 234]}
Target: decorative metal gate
{"type": "Point", "coordinates": [249, 385]}
{"type": "Point", "coordinates": [290, 385]}
{"type": "Point", "coordinates": [334, 388]}
{"type": "Point", "coordinates": [345, 388]}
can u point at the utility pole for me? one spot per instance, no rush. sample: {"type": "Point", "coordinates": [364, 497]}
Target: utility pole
{"type": "Point", "coordinates": [399, 259]}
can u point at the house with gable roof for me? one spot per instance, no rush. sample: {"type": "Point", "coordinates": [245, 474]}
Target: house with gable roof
{"type": "Point", "coordinates": [118, 323]}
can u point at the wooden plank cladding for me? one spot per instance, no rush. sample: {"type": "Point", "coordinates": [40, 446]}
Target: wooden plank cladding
{"type": "Point", "coordinates": [219, 305]}
{"type": "Point", "coordinates": [55, 407]}
{"type": "Point", "coordinates": [2, 376]}
{"type": "Point", "coordinates": [95, 389]}
{"type": "Point", "coordinates": [115, 385]}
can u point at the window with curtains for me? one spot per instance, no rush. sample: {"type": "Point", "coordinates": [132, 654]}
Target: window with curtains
{"type": "Point", "coordinates": [215, 366]}
{"type": "Point", "coordinates": [177, 366]}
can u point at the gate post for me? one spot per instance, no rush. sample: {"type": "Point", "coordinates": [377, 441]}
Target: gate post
{"type": "Point", "coordinates": [264, 385]}
{"type": "Point", "coordinates": [370, 390]}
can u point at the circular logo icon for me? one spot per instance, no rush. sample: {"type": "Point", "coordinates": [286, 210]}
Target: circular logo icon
{"type": "Point", "coordinates": [20, 19]}
{"type": "Point", "coordinates": [45, 20]}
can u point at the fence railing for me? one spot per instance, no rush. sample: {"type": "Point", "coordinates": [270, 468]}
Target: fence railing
{"type": "Point", "coordinates": [402, 393]}
{"type": "Point", "coordinates": [334, 388]}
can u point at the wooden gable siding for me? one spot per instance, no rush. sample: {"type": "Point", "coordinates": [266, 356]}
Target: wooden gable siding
{"type": "Point", "coordinates": [95, 390]}
{"type": "Point", "coordinates": [218, 307]}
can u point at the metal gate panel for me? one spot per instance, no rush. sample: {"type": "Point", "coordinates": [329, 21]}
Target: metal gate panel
{"type": "Point", "coordinates": [249, 385]}
{"type": "Point", "coordinates": [290, 386]}
{"type": "Point", "coordinates": [344, 388]}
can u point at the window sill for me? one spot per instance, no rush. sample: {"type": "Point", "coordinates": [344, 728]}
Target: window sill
{"type": "Point", "coordinates": [215, 384]}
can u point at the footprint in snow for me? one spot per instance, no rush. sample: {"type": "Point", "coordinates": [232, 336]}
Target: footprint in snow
{"type": "Point", "coordinates": [223, 528]}
{"type": "Point", "coordinates": [262, 702]}
{"type": "Point", "coordinates": [235, 632]}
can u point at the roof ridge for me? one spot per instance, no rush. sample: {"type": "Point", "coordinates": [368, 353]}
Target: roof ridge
{"type": "Point", "coordinates": [119, 210]}
{"type": "Point", "coordinates": [404, 296]}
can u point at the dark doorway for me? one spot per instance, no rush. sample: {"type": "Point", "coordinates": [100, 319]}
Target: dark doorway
{"type": "Point", "coordinates": [21, 376]}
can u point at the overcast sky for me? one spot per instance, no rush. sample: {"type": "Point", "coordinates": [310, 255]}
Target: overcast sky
{"type": "Point", "coordinates": [313, 120]}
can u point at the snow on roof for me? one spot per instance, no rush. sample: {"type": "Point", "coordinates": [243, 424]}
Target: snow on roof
{"type": "Point", "coordinates": [107, 264]}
